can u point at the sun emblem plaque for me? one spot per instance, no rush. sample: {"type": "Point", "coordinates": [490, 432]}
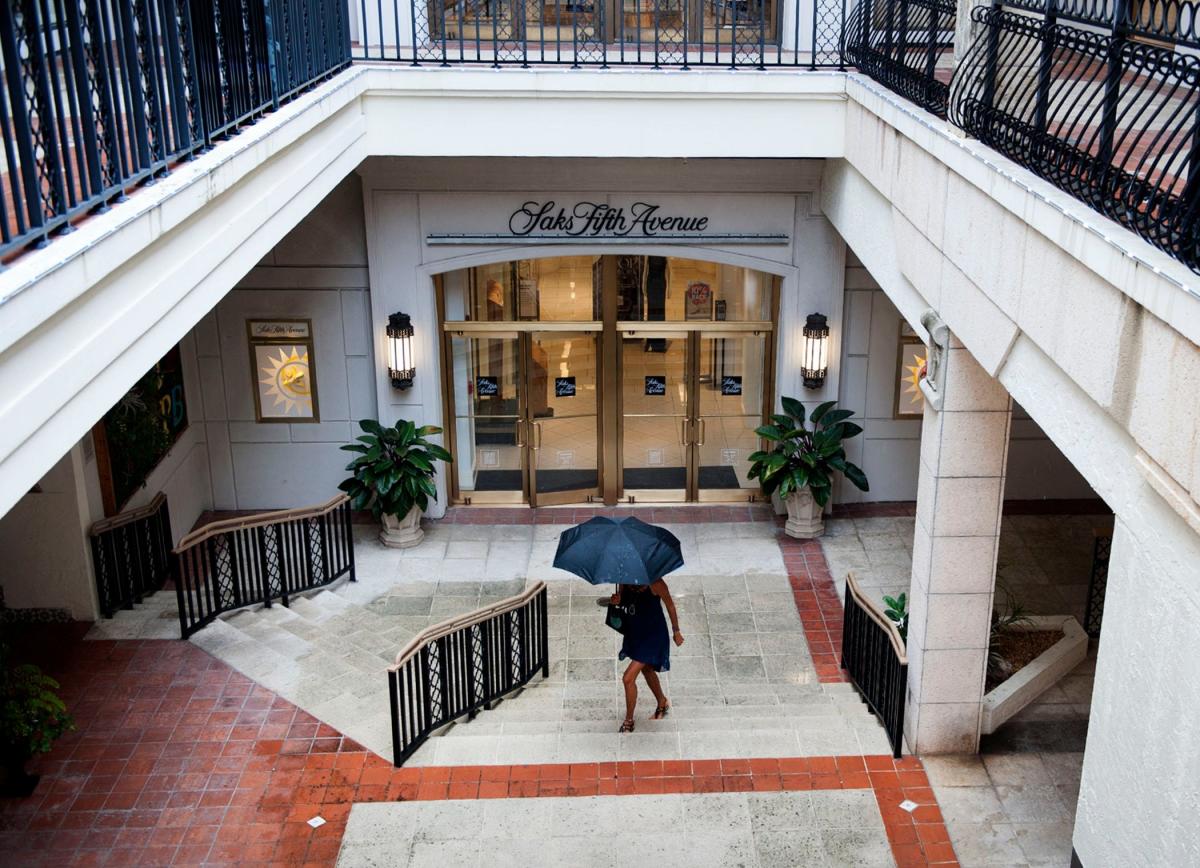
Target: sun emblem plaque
{"type": "Point", "coordinates": [284, 371]}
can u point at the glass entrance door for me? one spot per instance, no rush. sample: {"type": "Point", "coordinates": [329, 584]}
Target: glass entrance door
{"type": "Point", "coordinates": [564, 422]}
{"type": "Point", "coordinates": [655, 408]}
{"type": "Point", "coordinates": [732, 373]}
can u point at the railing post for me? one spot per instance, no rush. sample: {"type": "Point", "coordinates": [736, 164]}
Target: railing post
{"type": "Point", "coordinates": [545, 625]}
{"type": "Point", "coordinates": [264, 575]}
{"type": "Point", "coordinates": [1045, 66]}
{"type": "Point", "coordinates": [272, 52]}
{"type": "Point", "coordinates": [393, 676]}
{"type": "Point", "coordinates": [344, 509]}
{"type": "Point", "coordinates": [992, 58]}
{"type": "Point", "coordinates": [1112, 86]}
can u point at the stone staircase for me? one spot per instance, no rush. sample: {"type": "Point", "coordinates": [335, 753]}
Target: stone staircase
{"type": "Point", "coordinates": [324, 652]}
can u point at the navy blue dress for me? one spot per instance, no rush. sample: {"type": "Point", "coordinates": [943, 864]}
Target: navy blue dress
{"type": "Point", "coordinates": [646, 638]}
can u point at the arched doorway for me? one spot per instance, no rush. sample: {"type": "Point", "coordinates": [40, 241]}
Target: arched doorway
{"type": "Point", "coordinates": [605, 378]}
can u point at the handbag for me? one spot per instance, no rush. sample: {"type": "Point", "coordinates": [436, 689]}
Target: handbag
{"type": "Point", "coordinates": [617, 615]}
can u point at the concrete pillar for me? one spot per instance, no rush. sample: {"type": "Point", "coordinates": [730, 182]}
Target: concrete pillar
{"type": "Point", "coordinates": [960, 491]}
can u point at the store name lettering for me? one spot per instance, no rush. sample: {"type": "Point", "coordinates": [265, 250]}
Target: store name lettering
{"type": "Point", "coordinates": [596, 220]}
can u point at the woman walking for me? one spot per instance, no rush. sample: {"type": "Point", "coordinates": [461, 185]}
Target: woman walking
{"type": "Point", "coordinates": [647, 644]}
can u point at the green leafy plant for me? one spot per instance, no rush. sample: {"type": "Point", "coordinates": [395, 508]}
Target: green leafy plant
{"type": "Point", "coordinates": [897, 613]}
{"type": "Point", "coordinates": [806, 451]}
{"type": "Point", "coordinates": [1009, 614]}
{"type": "Point", "coordinates": [394, 468]}
{"type": "Point", "coordinates": [31, 714]}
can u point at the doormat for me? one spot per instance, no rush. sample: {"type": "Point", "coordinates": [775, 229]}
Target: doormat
{"type": "Point", "coordinates": [548, 481]}
{"type": "Point", "coordinates": [718, 476]}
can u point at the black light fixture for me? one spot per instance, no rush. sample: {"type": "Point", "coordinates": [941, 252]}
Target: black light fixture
{"type": "Point", "coordinates": [815, 364]}
{"type": "Point", "coordinates": [401, 367]}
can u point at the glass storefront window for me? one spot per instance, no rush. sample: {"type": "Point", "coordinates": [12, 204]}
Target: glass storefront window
{"type": "Point", "coordinates": [556, 289]}
{"type": "Point", "coordinates": [568, 289]}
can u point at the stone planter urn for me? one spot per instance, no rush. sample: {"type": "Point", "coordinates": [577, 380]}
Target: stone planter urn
{"type": "Point", "coordinates": [804, 515]}
{"type": "Point", "coordinates": [402, 533]}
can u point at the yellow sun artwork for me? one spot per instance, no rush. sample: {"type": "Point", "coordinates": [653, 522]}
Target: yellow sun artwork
{"type": "Point", "coordinates": [286, 383]}
{"type": "Point", "coordinates": [910, 382]}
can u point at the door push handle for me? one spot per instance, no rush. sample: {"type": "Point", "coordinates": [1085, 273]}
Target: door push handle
{"type": "Point", "coordinates": [537, 435]}
{"type": "Point", "coordinates": [683, 432]}
{"type": "Point", "coordinates": [700, 441]}
{"type": "Point", "coordinates": [520, 432]}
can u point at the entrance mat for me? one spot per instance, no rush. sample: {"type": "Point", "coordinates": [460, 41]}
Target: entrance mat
{"type": "Point", "coordinates": [547, 480]}
{"type": "Point", "coordinates": [719, 476]}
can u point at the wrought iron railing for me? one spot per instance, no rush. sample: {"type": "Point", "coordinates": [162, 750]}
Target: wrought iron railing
{"type": "Point", "coordinates": [1104, 116]}
{"type": "Point", "coordinates": [1093, 614]}
{"type": "Point", "coordinates": [100, 95]}
{"type": "Point", "coordinates": [464, 664]}
{"type": "Point", "coordinates": [602, 33]}
{"type": "Point", "coordinates": [874, 655]}
{"type": "Point", "coordinates": [905, 45]}
{"type": "Point", "coordinates": [245, 561]}
{"type": "Point", "coordinates": [131, 555]}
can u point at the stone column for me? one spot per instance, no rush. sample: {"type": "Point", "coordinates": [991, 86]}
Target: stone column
{"type": "Point", "coordinates": [964, 448]}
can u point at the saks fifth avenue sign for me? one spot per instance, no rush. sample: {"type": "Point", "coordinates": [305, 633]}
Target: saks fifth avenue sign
{"type": "Point", "coordinates": [550, 222]}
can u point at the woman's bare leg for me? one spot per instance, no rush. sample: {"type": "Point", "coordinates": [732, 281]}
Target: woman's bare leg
{"type": "Point", "coordinates": [629, 679]}
{"type": "Point", "coordinates": [655, 686]}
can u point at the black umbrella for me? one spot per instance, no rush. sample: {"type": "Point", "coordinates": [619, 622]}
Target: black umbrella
{"type": "Point", "coordinates": [626, 551]}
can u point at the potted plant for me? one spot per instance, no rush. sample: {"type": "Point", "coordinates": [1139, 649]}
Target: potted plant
{"type": "Point", "coordinates": [799, 467]}
{"type": "Point", "coordinates": [31, 718]}
{"type": "Point", "coordinates": [393, 477]}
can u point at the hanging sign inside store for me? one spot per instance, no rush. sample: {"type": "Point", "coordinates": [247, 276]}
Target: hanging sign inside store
{"type": "Point", "coordinates": [564, 387]}
{"type": "Point", "coordinates": [550, 222]}
{"type": "Point", "coordinates": [731, 385]}
{"type": "Point", "coordinates": [656, 384]}
{"type": "Point", "coordinates": [487, 387]}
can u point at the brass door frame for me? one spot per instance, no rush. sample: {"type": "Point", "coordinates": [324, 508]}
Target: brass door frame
{"type": "Point", "coordinates": [533, 436]}
{"type": "Point", "coordinates": [610, 410]}
{"type": "Point", "coordinates": [649, 330]}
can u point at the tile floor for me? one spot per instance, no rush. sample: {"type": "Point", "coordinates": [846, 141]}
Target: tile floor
{"type": "Point", "coordinates": [757, 676]}
{"type": "Point", "coordinates": [180, 760]}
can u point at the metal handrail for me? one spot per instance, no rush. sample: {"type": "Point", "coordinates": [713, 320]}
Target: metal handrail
{"type": "Point", "coordinates": [258, 559]}
{"type": "Point", "coordinates": [131, 555]}
{"type": "Point", "coordinates": [107, 524]}
{"type": "Point", "coordinates": [875, 657]}
{"type": "Point", "coordinates": [259, 519]}
{"type": "Point", "coordinates": [876, 614]}
{"type": "Point", "coordinates": [450, 625]}
{"type": "Point", "coordinates": [464, 664]}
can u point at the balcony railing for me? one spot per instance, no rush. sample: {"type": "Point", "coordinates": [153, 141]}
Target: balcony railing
{"type": "Point", "coordinates": [906, 45]}
{"type": "Point", "coordinates": [101, 95]}
{"type": "Point", "coordinates": [678, 34]}
{"type": "Point", "coordinates": [1104, 115]}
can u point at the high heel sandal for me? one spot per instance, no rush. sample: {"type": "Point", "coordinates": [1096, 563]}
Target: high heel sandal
{"type": "Point", "coordinates": [627, 726]}
{"type": "Point", "coordinates": [661, 712]}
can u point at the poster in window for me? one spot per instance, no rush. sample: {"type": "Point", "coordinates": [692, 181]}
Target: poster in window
{"type": "Point", "coordinates": [698, 301]}
{"type": "Point", "coordinates": [910, 370]}
{"type": "Point", "coordinates": [283, 366]}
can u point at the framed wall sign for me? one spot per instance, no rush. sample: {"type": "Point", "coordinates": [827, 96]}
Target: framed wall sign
{"type": "Point", "coordinates": [283, 367]}
{"type": "Point", "coordinates": [564, 387]}
{"type": "Point", "coordinates": [656, 384]}
{"type": "Point", "coordinates": [911, 360]}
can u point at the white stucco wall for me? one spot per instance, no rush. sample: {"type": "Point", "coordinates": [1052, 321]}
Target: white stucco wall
{"type": "Point", "coordinates": [317, 272]}
{"type": "Point", "coordinates": [46, 562]}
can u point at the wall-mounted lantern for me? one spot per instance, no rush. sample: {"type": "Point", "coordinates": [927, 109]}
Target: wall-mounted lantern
{"type": "Point", "coordinates": [815, 363]}
{"type": "Point", "coordinates": [401, 367]}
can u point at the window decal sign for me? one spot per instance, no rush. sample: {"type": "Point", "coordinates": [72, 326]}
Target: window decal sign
{"type": "Point", "coordinates": [487, 387]}
{"type": "Point", "coordinates": [731, 385]}
{"type": "Point", "coordinates": [564, 387]}
{"type": "Point", "coordinates": [656, 384]}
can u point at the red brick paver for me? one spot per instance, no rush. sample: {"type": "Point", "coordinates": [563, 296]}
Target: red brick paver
{"type": "Point", "coordinates": [818, 603]}
{"type": "Point", "coordinates": [180, 760]}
